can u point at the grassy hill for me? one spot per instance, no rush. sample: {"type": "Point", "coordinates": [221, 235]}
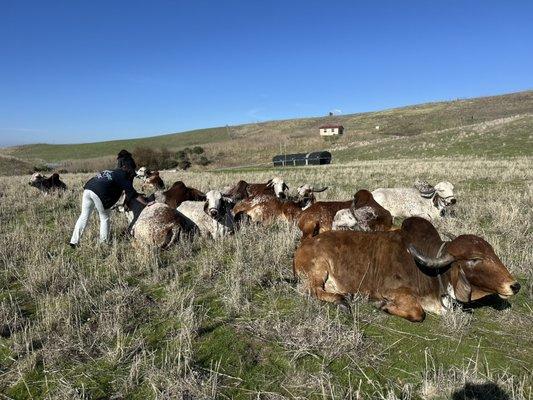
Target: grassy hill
{"type": "Point", "coordinates": [484, 127]}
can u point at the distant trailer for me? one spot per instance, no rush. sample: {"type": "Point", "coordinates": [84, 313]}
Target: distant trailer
{"type": "Point", "coordinates": [293, 160]}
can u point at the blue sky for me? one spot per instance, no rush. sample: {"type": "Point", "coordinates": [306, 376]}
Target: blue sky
{"type": "Point", "coordinates": [80, 71]}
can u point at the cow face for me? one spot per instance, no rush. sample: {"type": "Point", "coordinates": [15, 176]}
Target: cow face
{"type": "Point", "coordinates": [444, 190]}
{"type": "Point", "coordinates": [141, 173]}
{"type": "Point", "coordinates": [280, 188]}
{"type": "Point", "coordinates": [36, 179]}
{"type": "Point", "coordinates": [216, 204]}
{"type": "Point", "coordinates": [482, 268]}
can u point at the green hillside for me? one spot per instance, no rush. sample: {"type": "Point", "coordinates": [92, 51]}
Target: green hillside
{"type": "Point", "coordinates": [487, 126]}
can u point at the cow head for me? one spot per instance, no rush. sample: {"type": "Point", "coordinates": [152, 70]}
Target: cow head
{"type": "Point", "coordinates": [216, 204]}
{"type": "Point", "coordinates": [36, 179]}
{"type": "Point", "coordinates": [306, 195]}
{"type": "Point", "coordinates": [279, 186]}
{"type": "Point", "coordinates": [444, 197]}
{"type": "Point", "coordinates": [142, 173]}
{"type": "Point", "coordinates": [476, 271]}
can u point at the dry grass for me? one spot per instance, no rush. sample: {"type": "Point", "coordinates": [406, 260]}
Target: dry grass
{"type": "Point", "coordinates": [223, 319]}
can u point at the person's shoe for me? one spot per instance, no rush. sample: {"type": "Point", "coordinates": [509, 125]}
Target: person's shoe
{"type": "Point", "coordinates": [73, 245]}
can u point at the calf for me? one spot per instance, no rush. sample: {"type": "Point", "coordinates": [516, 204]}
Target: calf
{"type": "Point", "coordinates": [47, 185]}
{"type": "Point", "coordinates": [407, 272]}
{"type": "Point", "coordinates": [210, 218]}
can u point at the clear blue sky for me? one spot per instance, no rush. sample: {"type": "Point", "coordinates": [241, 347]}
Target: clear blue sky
{"type": "Point", "coordinates": [78, 71]}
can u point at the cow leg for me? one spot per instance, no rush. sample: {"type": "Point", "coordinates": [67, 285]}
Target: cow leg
{"type": "Point", "coordinates": [403, 303]}
{"type": "Point", "coordinates": [316, 282]}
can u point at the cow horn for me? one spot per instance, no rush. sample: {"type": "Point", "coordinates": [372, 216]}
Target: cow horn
{"type": "Point", "coordinates": [431, 262]}
{"type": "Point", "coordinates": [319, 190]}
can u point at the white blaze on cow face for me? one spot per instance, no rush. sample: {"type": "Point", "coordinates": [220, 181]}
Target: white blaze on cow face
{"type": "Point", "coordinates": [36, 177]}
{"type": "Point", "coordinates": [214, 203]}
{"type": "Point", "coordinates": [141, 173]}
{"type": "Point", "coordinates": [445, 192]}
{"type": "Point", "coordinates": [279, 187]}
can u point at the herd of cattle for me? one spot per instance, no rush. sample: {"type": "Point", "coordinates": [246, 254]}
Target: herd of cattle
{"type": "Point", "coordinates": [347, 247]}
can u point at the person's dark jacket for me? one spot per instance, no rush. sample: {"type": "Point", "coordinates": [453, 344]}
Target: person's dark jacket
{"type": "Point", "coordinates": [109, 184]}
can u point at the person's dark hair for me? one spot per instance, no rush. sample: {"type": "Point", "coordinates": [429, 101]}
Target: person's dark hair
{"type": "Point", "coordinates": [125, 160]}
{"type": "Point", "coordinates": [123, 153]}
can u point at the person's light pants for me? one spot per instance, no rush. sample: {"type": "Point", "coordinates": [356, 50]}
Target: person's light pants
{"type": "Point", "coordinates": [89, 202]}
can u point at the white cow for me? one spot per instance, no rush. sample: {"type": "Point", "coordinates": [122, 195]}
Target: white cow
{"type": "Point", "coordinates": [211, 218]}
{"type": "Point", "coordinates": [423, 200]}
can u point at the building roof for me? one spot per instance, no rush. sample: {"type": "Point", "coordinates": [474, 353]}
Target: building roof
{"type": "Point", "coordinates": [331, 126]}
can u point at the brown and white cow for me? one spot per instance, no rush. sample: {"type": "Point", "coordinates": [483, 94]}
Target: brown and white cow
{"type": "Point", "coordinates": [243, 190]}
{"type": "Point", "coordinates": [267, 208]}
{"type": "Point", "coordinates": [407, 272]}
{"type": "Point", "coordinates": [150, 179]}
{"type": "Point", "coordinates": [47, 185]}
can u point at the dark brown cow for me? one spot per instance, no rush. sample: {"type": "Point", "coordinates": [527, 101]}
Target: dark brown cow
{"type": "Point", "coordinates": [243, 190]}
{"type": "Point", "coordinates": [364, 214]}
{"type": "Point", "coordinates": [178, 193]}
{"type": "Point", "coordinates": [405, 272]}
{"type": "Point", "coordinates": [47, 185]}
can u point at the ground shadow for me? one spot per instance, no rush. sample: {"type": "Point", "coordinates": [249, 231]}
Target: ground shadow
{"type": "Point", "coordinates": [481, 391]}
{"type": "Point", "coordinates": [493, 301]}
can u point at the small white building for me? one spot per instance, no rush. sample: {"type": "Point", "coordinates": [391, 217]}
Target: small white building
{"type": "Point", "coordinates": [331, 130]}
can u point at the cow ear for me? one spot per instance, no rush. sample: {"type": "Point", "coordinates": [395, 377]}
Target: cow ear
{"type": "Point", "coordinates": [436, 200]}
{"type": "Point", "coordinates": [461, 286]}
{"type": "Point", "coordinates": [269, 183]}
{"type": "Point", "coordinates": [285, 187]}
{"type": "Point", "coordinates": [206, 205]}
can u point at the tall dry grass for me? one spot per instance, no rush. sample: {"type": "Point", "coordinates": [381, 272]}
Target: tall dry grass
{"type": "Point", "coordinates": [223, 319]}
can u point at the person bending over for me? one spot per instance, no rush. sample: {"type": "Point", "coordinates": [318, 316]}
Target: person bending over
{"type": "Point", "coordinates": [102, 192]}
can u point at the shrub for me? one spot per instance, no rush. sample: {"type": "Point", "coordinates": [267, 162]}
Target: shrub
{"type": "Point", "coordinates": [203, 161]}
{"type": "Point", "coordinates": [197, 150]}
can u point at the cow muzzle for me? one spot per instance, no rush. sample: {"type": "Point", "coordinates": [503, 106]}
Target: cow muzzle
{"type": "Point", "coordinates": [282, 195]}
{"type": "Point", "coordinates": [510, 290]}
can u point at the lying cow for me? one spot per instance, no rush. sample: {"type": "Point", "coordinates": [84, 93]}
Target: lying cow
{"type": "Point", "coordinates": [47, 185]}
{"type": "Point", "coordinates": [423, 200]}
{"type": "Point", "coordinates": [172, 197]}
{"type": "Point", "coordinates": [266, 208]}
{"type": "Point", "coordinates": [150, 179]}
{"type": "Point", "coordinates": [210, 218]}
{"type": "Point", "coordinates": [177, 194]}
{"type": "Point", "coordinates": [407, 272]}
{"type": "Point", "coordinates": [158, 225]}
{"type": "Point", "coordinates": [243, 190]}
{"type": "Point", "coordinates": [364, 215]}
